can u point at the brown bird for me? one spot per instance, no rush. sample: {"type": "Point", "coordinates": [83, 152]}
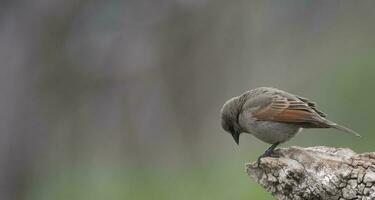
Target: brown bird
{"type": "Point", "coordinates": [273, 116]}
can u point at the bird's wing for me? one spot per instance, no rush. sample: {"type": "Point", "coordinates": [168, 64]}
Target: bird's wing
{"type": "Point", "coordinates": [290, 109]}
{"type": "Point", "coordinates": [312, 105]}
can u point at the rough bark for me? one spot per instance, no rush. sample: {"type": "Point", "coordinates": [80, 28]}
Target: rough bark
{"type": "Point", "coordinates": [316, 173]}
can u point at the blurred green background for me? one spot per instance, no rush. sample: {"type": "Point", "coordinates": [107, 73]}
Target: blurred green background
{"type": "Point", "coordinates": [121, 99]}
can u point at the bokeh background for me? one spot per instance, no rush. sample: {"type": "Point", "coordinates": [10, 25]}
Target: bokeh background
{"type": "Point", "coordinates": [121, 99]}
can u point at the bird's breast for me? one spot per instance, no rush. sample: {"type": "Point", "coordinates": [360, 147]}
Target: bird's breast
{"type": "Point", "coordinates": [269, 131]}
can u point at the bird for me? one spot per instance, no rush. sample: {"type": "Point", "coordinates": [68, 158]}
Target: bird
{"type": "Point", "coordinates": [273, 116]}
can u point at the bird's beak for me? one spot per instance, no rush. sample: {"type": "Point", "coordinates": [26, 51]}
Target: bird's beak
{"type": "Point", "coordinates": [236, 137]}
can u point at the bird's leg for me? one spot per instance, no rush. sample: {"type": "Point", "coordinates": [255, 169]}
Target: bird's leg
{"type": "Point", "coordinates": [269, 152]}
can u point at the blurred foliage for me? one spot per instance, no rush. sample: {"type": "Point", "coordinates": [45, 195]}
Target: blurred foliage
{"type": "Point", "coordinates": [216, 181]}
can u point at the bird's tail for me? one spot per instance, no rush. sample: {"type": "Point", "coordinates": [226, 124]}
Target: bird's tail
{"type": "Point", "coordinates": [342, 128]}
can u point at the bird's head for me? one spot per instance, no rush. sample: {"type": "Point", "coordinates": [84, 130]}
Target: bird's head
{"type": "Point", "coordinates": [229, 117]}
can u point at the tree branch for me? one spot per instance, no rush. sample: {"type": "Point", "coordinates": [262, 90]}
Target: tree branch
{"type": "Point", "coordinates": [316, 173]}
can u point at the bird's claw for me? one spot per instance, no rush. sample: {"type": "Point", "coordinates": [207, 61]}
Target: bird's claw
{"type": "Point", "coordinates": [267, 153]}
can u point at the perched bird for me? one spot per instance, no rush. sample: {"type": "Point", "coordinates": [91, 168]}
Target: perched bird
{"type": "Point", "coordinates": [273, 116]}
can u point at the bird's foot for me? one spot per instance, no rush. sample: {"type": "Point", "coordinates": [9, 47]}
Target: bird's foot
{"type": "Point", "coordinates": [268, 153]}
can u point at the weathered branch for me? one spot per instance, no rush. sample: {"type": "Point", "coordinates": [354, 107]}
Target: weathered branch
{"type": "Point", "coordinates": [317, 173]}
